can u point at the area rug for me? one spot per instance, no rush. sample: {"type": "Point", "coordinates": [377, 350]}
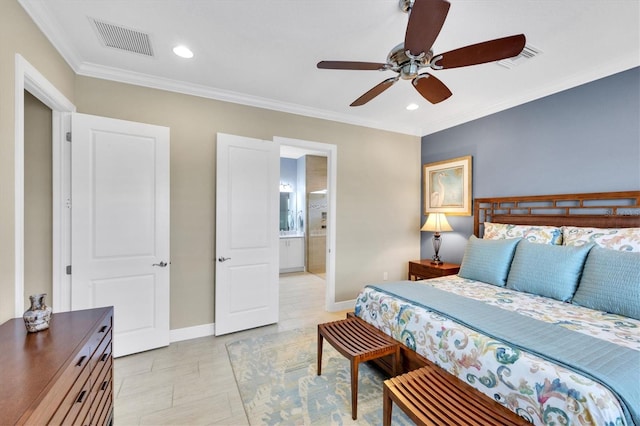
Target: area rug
{"type": "Point", "coordinates": [276, 376]}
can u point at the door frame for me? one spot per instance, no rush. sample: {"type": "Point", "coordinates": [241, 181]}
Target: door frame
{"type": "Point", "coordinates": [331, 152]}
{"type": "Point", "coordinates": [28, 78]}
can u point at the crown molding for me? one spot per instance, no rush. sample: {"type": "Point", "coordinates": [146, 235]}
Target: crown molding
{"type": "Point", "coordinates": [154, 82]}
{"type": "Point", "coordinates": [128, 77]}
{"type": "Point", "coordinates": [64, 47]}
{"type": "Point", "coordinates": [52, 31]}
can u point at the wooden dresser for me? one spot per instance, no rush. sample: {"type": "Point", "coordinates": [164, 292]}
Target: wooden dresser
{"type": "Point", "coordinates": [60, 375]}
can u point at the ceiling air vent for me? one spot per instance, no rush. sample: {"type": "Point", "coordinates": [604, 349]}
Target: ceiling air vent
{"type": "Point", "coordinates": [123, 38]}
{"type": "Point", "coordinates": [529, 52]}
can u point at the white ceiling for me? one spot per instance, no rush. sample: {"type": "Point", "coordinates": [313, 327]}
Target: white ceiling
{"type": "Point", "coordinates": [264, 52]}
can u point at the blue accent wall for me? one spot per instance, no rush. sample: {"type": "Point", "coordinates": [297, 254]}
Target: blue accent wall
{"type": "Point", "coordinates": [585, 139]}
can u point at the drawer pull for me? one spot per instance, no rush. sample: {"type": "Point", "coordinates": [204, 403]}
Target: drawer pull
{"type": "Point", "coordinates": [103, 329]}
{"type": "Point", "coordinates": [81, 360]}
{"type": "Point", "coordinates": [81, 396]}
{"type": "Point", "coordinates": [104, 385]}
{"type": "Point", "coordinates": [104, 357]}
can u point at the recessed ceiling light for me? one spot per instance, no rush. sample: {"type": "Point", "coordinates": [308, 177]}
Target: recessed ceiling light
{"type": "Point", "coordinates": [183, 51]}
{"type": "Point", "coordinates": [412, 107]}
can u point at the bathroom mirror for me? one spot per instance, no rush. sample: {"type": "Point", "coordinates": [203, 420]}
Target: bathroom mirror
{"type": "Point", "coordinates": [287, 211]}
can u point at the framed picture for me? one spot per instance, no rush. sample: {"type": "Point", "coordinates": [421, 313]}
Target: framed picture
{"type": "Point", "coordinates": [447, 187]}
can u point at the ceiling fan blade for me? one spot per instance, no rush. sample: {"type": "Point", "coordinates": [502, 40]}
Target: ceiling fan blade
{"type": "Point", "coordinates": [347, 65]}
{"type": "Point", "coordinates": [431, 88]}
{"type": "Point", "coordinates": [426, 19]}
{"type": "Point", "coordinates": [375, 91]}
{"type": "Point", "coordinates": [488, 51]}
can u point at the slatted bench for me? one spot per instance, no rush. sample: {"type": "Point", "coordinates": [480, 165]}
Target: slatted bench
{"type": "Point", "coordinates": [432, 397]}
{"type": "Point", "coordinates": [358, 342]}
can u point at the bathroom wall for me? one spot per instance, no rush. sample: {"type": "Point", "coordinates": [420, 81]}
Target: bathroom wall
{"type": "Point", "coordinates": [317, 208]}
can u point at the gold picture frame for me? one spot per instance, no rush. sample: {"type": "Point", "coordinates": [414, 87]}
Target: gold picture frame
{"type": "Point", "coordinates": [447, 187]}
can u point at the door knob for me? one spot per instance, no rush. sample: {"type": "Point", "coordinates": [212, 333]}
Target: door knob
{"type": "Point", "coordinates": [161, 264]}
{"type": "Point", "coordinates": [223, 259]}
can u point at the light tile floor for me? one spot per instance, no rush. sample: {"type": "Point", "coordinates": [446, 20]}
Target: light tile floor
{"type": "Point", "coordinates": [191, 382]}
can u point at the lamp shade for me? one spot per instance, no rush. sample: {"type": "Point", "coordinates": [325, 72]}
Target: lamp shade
{"type": "Point", "coordinates": [436, 222]}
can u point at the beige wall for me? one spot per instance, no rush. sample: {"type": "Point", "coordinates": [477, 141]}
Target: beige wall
{"type": "Point", "coordinates": [378, 196]}
{"type": "Point", "coordinates": [18, 34]}
{"type": "Point", "coordinates": [37, 199]}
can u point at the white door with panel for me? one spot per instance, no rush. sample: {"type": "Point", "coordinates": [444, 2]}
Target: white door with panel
{"type": "Point", "coordinates": [120, 227]}
{"type": "Point", "coordinates": [247, 219]}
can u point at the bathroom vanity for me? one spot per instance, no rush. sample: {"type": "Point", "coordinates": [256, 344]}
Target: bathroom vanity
{"type": "Point", "coordinates": [291, 253]}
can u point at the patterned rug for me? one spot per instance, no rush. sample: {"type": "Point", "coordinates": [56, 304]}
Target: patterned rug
{"type": "Point", "coordinates": [276, 375]}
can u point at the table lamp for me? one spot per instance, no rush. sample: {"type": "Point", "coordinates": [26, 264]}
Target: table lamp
{"type": "Point", "coordinates": [436, 222]}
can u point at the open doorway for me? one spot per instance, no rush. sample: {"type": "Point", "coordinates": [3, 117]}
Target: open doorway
{"type": "Point", "coordinates": [303, 212]}
{"type": "Point", "coordinates": [31, 80]}
{"type": "Point", "coordinates": [310, 220]}
{"type": "Point", "coordinates": [38, 220]}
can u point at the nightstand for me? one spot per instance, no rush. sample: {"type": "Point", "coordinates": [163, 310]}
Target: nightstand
{"type": "Point", "coordinates": [423, 269]}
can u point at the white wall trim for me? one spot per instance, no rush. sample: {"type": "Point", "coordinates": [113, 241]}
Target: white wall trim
{"type": "Point", "coordinates": [18, 179]}
{"type": "Point", "coordinates": [30, 79]}
{"type": "Point", "coordinates": [332, 175]}
{"type": "Point", "coordinates": [193, 89]}
{"type": "Point", "coordinates": [194, 332]}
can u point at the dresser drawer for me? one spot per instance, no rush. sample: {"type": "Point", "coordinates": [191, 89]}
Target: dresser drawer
{"type": "Point", "coordinates": [103, 330]}
{"type": "Point", "coordinates": [78, 395]}
{"type": "Point", "coordinates": [102, 393]}
{"type": "Point", "coordinates": [103, 369]}
{"type": "Point", "coordinates": [104, 413]}
{"type": "Point", "coordinates": [55, 405]}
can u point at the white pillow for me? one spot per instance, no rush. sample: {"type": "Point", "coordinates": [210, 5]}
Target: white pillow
{"type": "Point", "coordinates": [622, 239]}
{"type": "Point", "coordinates": [533, 234]}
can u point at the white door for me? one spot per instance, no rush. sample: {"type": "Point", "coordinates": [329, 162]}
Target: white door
{"type": "Point", "coordinates": [247, 217]}
{"type": "Point", "coordinates": [120, 227]}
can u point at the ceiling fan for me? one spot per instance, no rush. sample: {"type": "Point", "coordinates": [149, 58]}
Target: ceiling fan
{"type": "Point", "coordinates": [426, 18]}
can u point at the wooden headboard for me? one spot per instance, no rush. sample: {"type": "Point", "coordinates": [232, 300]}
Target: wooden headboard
{"type": "Point", "coordinates": [598, 210]}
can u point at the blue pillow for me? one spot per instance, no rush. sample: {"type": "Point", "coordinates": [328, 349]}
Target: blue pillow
{"type": "Point", "coordinates": [488, 260]}
{"type": "Point", "coordinates": [611, 282]}
{"type": "Point", "coordinates": [546, 270]}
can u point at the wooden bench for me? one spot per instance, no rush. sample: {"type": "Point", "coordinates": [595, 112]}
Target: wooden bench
{"type": "Point", "coordinates": [358, 342]}
{"type": "Point", "coordinates": [432, 397]}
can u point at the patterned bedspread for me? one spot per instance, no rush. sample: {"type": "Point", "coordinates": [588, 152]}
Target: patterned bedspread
{"type": "Point", "coordinates": [540, 391]}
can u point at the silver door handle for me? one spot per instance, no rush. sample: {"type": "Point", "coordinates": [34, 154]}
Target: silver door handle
{"type": "Point", "coordinates": [161, 264]}
{"type": "Point", "coordinates": [223, 259]}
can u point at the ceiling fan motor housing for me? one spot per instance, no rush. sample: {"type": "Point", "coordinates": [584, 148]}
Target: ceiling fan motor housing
{"type": "Point", "coordinates": [408, 67]}
{"type": "Point", "coordinates": [406, 5]}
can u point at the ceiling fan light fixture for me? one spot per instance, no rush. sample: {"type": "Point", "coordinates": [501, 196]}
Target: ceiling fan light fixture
{"type": "Point", "coordinates": [183, 51]}
{"type": "Point", "coordinates": [412, 107]}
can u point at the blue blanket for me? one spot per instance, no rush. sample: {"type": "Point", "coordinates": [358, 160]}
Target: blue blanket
{"type": "Point", "coordinates": [602, 361]}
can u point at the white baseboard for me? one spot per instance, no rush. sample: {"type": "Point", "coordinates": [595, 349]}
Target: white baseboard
{"type": "Point", "coordinates": [205, 330]}
{"type": "Point", "coordinates": [194, 332]}
{"type": "Point", "coordinates": [343, 306]}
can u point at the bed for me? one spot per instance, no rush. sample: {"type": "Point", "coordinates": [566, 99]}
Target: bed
{"type": "Point", "coordinates": [543, 316]}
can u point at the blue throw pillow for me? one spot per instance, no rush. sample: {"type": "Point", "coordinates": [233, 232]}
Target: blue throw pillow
{"type": "Point", "coordinates": [546, 270]}
{"type": "Point", "coordinates": [611, 282]}
{"type": "Point", "coordinates": [488, 260]}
